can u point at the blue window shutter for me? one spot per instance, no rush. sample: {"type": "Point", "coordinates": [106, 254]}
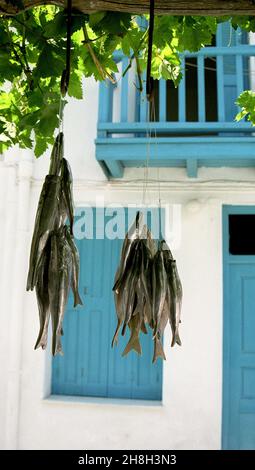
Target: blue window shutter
{"type": "Point", "coordinates": [232, 72]}
{"type": "Point", "coordinates": [95, 324]}
{"type": "Point", "coordinates": [90, 367]}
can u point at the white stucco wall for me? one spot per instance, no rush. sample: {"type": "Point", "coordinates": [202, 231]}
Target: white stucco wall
{"type": "Point", "coordinates": [190, 414]}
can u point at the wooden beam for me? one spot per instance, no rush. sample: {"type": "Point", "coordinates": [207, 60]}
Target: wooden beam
{"type": "Point", "coordinates": [168, 7]}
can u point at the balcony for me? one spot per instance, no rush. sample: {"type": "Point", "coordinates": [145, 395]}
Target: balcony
{"type": "Point", "coordinates": [194, 124]}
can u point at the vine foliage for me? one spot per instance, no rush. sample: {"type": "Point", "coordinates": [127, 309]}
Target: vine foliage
{"type": "Point", "coordinates": [32, 59]}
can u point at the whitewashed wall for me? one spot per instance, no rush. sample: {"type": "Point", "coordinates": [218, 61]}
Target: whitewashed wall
{"type": "Point", "coordinates": [190, 415]}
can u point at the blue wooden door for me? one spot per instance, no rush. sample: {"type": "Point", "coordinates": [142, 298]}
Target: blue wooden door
{"type": "Point", "coordinates": [239, 347]}
{"type": "Point", "coordinates": [90, 367]}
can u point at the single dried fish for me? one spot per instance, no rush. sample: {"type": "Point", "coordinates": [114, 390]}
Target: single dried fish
{"type": "Point", "coordinates": [44, 224]}
{"type": "Point", "coordinates": [67, 191]}
{"type": "Point", "coordinates": [151, 244]}
{"type": "Point", "coordinates": [174, 293]}
{"type": "Point", "coordinates": [120, 311]}
{"type": "Point", "coordinates": [42, 296]}
{"type": "Point", "coordinates": [127, 250]}
{"type": "Point", "coordinates": [159, 288]}
{"type": "Point", "coordinates": [57, 155]}
{"type": "Point", "coordinates": [130, 286]}
{"type": "Point", "coordinates": [158, 347]}
{"type": "Point", "coordinates": [145, 281]}
{"type": "Point", "coordinates": [175, 302]}
{"type": "Point", "coordinates": [134, 343]}
{"type": "Point", "coordinates": [59, 282]}
{"type": "Point", "coordinates": [75, 267]}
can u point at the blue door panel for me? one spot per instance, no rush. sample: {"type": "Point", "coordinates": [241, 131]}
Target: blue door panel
{"type": "Point", "coordinates": [239, 351]}
{"type": "Point", "coordinates": [90, 367]}
{"type": "Point", "coordinates": [247, 439]}
{"type": "Point", "coordinates": [242, 357]}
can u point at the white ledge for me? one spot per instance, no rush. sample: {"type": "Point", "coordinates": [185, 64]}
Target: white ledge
{"type": "Point", "coordinates": [79, 400]}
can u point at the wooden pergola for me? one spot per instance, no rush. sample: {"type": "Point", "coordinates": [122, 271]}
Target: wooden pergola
{"type": "Point", "coordinates": [169, 7]}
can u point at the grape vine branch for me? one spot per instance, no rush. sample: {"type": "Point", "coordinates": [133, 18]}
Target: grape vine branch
{"type": "Point", "coordinates": [33, 50]}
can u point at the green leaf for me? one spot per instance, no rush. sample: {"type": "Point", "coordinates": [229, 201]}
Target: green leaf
{"type": "Point", "coordinates": [4, 145]}
{"type": "Point", "coordinates": [29, 120]}
{"type": "Point", "coordinates": [56, 27]}
{"type": "Point", "coordinates": [49, 119]}
{"type": "Point", "coordinates": [75, 86]}
{"type": "Point", "coordinates": [25, 141]}
{"type": "Point", "coordinates": [113, 23]}
{"type": "Point", "coordinates": [40, 146]}
{"type": "Point", "coordinates": [125, 45]}
{"type": "Point", "coordinates": [95, 18]}
{"type": "Point", "coordinates": [5, 100]}
{"type": "Point", "coordinates": [2, 126]}
{"type": "Point", "coordinates": [246, 101]}
{"type": "Point", "coordinates": [50, 63]}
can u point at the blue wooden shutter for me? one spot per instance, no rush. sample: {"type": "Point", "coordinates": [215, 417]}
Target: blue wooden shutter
{"type": "Point", "coordinates": [232, 71]}
{"type": "Point", "coordinates": [90, 367]}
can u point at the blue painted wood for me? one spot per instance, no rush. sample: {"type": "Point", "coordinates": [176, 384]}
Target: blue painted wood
{"type": "Point", "coordinates": [239, 75]}
{"type": "Point", "coordinates": [238, 424]}
{"type": "Point", "coordinates": [116, 168]}
{"type": "Point", "coordinates": [144, 114]}
{"type": "Point", "coordinates": [220, 88]}
{"type": "Point", "coordinates": [105, 101]}
{"type": "Point", "coordinates": [182, 94]}
{"type": "Point", "coordinates": [175, 127]}
{"type": "Point", "coordinates": [162, 100]}
{"type": "Point", "coordinates": [90, 367]}
{"type": "Point", "coordinates": [244, 50]}
{"type": "Point", "coordinates": [201, 88]}
{"type": "Point", "coordinates": [233, 79]}
{"type": "Point", "coordinates": [192, 168]}
{"type": "Point", "coordinates": [124, 92]}
{"type": "Point", "coordinates": [231, 54]}
{"type": "Point", "coordinates": [167, 148]}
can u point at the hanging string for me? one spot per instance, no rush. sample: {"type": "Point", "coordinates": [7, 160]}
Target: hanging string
{"type": "Point", "coordinates": [65, 78]}
{"type": "Point", "coordinates": [153, 113]}
{"type": "Point", "coordinates": [149, 80]}
{"type": "Point", "coordinates": [66, 72]}
{"type": "Point", "coordinates": [60, 114]}
{"type": "Point", "coordinates": [148, 148]}
{"type": "Point", "coordinates": [149, 96]}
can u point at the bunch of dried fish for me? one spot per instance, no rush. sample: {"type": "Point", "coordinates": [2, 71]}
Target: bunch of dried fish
{"type": "Point", "coordinates": [54, 259]}
{"type": "Point", "coordinates": [147, 290]}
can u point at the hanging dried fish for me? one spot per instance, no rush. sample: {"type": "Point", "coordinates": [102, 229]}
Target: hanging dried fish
{"type": "Point", "coordinates": [147, 290]}
{"type": "Point", "coordinates": [42, 295]}
{"type": "Point", "coordinates": [127, 249]}
{"type": "Point", "coordinates": [44, 224]}
{"type": "Point", "coordinates": [75, 266]}
{"type": "Point", "coordinates": [57, 155]}
{"type": "Point", "coordinates": [54, 258]}
{"type": "Point", "coordinates": [120, 310]}
{"type": "Point", "coordinates": [59, 283]}
{"type": "Point", "coordinates": [134, 343]}
{"type": "Point", "coordinates": [159, 288]}
{"type": "Point", "coordinates": [158, 346]}
{"type": "Point", "coordinates": [174, 293]}
{"type": "Point", "coordinates": [67, 191]}
{"type": "Point", "coordinates": [131, 283]}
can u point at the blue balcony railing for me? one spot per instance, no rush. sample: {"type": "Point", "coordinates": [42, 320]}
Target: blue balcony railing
{"type": "Point", "coordinates": [198, 131]}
